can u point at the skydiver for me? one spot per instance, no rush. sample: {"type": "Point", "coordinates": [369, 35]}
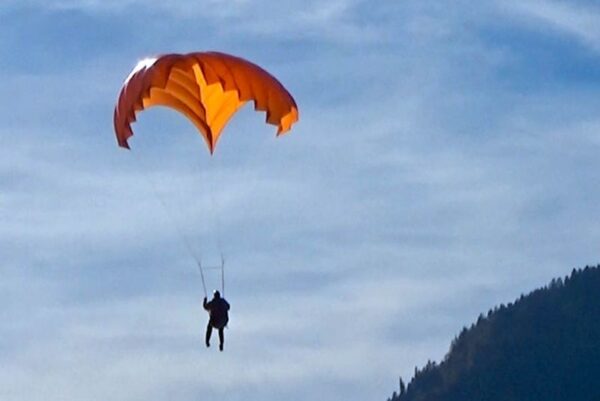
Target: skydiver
{"type": "Point", "coordinates": [217, 309]}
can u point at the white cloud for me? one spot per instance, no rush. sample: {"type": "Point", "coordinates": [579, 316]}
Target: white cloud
{"type": "Point", "coordinates": [182, 7]}
{"type": "Point", "coordinates": [153, 345]}
{"type": "Point", "coordinates": [336, 21]}
{"type": "Point", "coordinates": [577, 20]}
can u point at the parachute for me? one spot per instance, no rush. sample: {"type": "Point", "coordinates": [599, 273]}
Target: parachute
{"type": "Point", "coordinates": [207, 87]}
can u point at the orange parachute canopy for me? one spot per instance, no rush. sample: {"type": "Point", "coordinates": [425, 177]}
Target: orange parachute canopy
{"type": "Point", "coordinates": [208, 88]}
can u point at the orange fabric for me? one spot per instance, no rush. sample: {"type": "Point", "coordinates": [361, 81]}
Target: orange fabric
{"type": "Point", "coordinates": [208, 88]}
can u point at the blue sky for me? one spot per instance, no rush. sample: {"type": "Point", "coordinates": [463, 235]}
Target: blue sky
{"type": "Point", "coordinates": [445, 162]}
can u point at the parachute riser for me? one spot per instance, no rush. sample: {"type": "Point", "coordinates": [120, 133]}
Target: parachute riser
{"type": "Point", "coordinates": [202, 276]}
{"type": "Point", "coordinates": [223, 275]}
{"type": "Point", "coordinates": [221, 267]}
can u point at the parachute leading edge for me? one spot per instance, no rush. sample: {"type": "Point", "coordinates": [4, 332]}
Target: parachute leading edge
{"type": "Point", "coordinates": [206, 87]}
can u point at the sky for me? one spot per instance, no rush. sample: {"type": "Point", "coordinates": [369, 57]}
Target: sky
{"type": "Point", "coordinates": [445, 162]}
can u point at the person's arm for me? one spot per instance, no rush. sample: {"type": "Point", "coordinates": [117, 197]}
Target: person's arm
{"type": "Point", "coordinates": [205, 304]}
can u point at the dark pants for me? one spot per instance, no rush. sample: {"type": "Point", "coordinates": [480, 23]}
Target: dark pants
{"type": "Point", "coordinates": [209, 328]}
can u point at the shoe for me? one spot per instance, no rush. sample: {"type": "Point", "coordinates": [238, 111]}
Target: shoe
{"type": "Point", "coordinates": [207, 344]}
{"type": "Point", "coordinates": [220, 347]}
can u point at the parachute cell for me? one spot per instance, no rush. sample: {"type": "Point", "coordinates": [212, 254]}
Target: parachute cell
{"type": "Point", "coordinates": [206, 87]}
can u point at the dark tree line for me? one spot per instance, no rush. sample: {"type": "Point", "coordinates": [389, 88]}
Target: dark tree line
{"type": "Point", "coordinates": [544, 346]}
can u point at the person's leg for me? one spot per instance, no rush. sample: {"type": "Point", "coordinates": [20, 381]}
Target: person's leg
{"type": "Point", "coordinates": [208, 334]}
{"type": "Point", "coordinates": [221, 338]}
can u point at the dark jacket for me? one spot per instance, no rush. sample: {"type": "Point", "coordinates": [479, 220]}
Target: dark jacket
{"type": "Point", "coordinates": [217, 309]}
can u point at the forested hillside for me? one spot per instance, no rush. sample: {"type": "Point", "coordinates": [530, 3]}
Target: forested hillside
{"type": "Point", "coordinates": [544, 346]}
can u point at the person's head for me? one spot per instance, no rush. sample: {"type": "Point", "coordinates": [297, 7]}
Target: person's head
{"type": "Point", "coordinates": [216, 294]}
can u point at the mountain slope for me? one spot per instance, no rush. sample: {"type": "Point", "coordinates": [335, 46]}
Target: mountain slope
{"type": "Point", "coordinates": [545, 346]}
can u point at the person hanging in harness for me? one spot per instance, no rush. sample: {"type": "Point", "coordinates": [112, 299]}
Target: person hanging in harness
{"type": "Point", "coordinates": [218, 309]}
